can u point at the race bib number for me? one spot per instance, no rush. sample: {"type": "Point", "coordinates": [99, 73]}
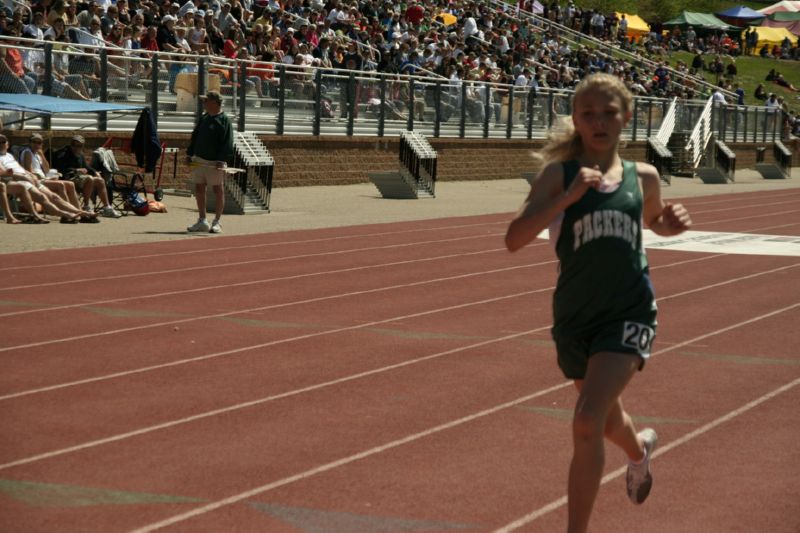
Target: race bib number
{"type": "Point", "coordinates": [638, 336]}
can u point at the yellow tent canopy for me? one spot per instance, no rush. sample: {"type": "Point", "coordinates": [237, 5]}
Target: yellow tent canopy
{"type": "Point", "coordinates": [446, 18]}
{"type": "Point", "coordinates": [773, 36]}
{"type": "Point", "coordinates": [636, 25]}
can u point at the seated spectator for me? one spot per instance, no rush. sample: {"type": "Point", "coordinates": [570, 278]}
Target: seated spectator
{"type": "Point", "coordinates": [20, 190]}
{"type": "Point", "coordinates": [5, 206]}
{"type": "Point", "coordinates": [34, 161]}
{"type": "Point", "coordinates": [15, 175]}
{"type": "Point", "coordinates": [72, 165]}
{"type": "Point", "coordinates": [13, 77]}
{"type": "Point", "coordinates": [760, 93]}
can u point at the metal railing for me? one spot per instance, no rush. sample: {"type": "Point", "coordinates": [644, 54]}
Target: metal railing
{"type": "Point", "coordinates": [667, 123]}
{"type": "Point", "coordinates": [275, 98]}
{"type": "Point", "coordinates": [701, 134]}
{"type": "Point", "coordinates": [734, 123]}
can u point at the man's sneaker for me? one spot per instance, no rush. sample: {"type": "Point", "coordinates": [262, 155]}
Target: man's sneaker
{"type": "Point", "coordinates": [638, 477]}
{"type": "Point", "coordinates": [201, 226]}
{"type": "Point", "coordinates": [215, 227]}
{"type": "Point", "coordinates": [110, 212]}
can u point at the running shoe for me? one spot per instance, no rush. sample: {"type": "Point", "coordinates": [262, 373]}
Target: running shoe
{"type": "Point", "coordinates": [638, 478]}
{"type": "Point", "coordinates": [201, 226]}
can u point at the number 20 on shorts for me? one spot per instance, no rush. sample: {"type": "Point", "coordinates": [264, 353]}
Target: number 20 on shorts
{"type": "Point", "coordinates": [638, 336]}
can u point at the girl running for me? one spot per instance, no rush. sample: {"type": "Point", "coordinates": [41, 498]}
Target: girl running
{"type": "Point", "coordinates": [604, 305]}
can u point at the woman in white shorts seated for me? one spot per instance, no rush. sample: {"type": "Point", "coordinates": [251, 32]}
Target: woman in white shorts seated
{"type": "Point", "coordinates": [34, 161]}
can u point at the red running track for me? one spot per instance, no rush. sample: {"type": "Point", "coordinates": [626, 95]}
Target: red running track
{"type": "Point", "coordinates": [383, 378]}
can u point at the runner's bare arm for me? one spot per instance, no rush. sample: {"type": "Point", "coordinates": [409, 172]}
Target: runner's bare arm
{"type": "Point", "coordinates": [543, 204]}
{"type": "Point", "coordinates": [662, 218]}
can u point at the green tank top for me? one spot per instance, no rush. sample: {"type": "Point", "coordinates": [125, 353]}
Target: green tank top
{"type": "Point", "coordinates": [603, 273]}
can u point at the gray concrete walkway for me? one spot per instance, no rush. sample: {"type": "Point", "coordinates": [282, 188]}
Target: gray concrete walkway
{"type": "Point", "coordinates": [321, 207]}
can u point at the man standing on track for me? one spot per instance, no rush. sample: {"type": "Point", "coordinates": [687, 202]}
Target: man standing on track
{"type": "Point", "coordinates": [209, 151]}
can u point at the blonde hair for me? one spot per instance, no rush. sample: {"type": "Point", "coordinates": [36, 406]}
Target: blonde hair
{"type": "Point", "coordinates": [564, 143]}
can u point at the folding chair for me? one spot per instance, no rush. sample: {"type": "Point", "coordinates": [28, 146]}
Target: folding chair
{"type": "Point", "coordinates": [126, 192]}
{"type": "Point", "coordinates": [123, 145]}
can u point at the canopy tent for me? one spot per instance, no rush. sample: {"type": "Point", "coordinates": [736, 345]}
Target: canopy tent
{"type": "Point", "coordinates": [636, 25]}
{"type": "Point", "coordinates": [773, 36]}
{"type": "Point", "coordinates": [447, 19]}
{"type": "Point", "coordinates": [703, 21]}
{"type": "Point", "coordinates": [740, 16]}
{"type": "Point", "coordinates": [784, 19]}
{"type": "Point", "coordinates": [785, 5]}
{"type": "Point", "coordinates": [50, 105]}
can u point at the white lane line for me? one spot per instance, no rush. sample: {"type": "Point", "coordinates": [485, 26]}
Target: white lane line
{"type": "Point", "coordinates": [226, 286]}
{"type": "Point", "coordinates": [259, 401]}
{"type": "Point", "coordinates": [740, 197]}
{"type": "Point", "coordinates": [273, 306]}
{"type": "Point", "coordinates": [220, 354]}
{"type": "Point", "coordinates": [556, 504]}
{"type": "Point", "coordinates": [181, 270]}
{"type": "Point", "coordinates": [723, 221]}
{"type": "Point", "coordinates": [241, 247]}
{"type": "Point", "coordinates": [416, 436]}
{"type": "Point", "coordinates": [272, 343]}
{"type": "Point", "coordinates": [199, 416]}
{"type": "Point", "coordinates": [345, 460]}
{"type": "Point", "coordinates": [740, 207]}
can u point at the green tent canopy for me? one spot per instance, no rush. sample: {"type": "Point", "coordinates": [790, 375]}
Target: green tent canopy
{"type": "Point", "coordinates": [785, 16]}
{"type": "Point", "coordinates": [703, 21]}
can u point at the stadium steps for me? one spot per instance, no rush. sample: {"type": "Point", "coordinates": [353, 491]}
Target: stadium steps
{"type": "Point", "coordinates": [392, 185]}
{"type": "Point", "coordinates": [770, 171]}
{"type": "Point", "coordinates": [712, 175]}
{"type": "Point", "coordinates": [781, 167]}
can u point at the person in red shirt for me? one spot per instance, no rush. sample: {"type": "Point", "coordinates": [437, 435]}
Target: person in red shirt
{"type": "Point", "coordinates": [415, 13]}
{"type": "Point", "coordinates": [13, 78]}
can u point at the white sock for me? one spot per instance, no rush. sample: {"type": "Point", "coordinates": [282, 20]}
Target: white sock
{"type": "Point", "coordinates": [644, 457]}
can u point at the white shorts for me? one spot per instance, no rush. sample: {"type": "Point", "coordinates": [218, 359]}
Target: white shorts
{"type": "Point", "coordinates": [206, 172]}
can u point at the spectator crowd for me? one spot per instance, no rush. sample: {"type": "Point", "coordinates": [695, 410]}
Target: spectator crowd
{"type": "Point", "coordinates": [454, 39]}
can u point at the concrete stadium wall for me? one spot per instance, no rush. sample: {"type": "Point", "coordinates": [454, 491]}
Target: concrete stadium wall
{"type": "Point", "coordinates": [302, 161]}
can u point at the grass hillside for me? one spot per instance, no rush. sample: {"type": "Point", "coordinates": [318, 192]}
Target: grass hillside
{"type": "Point", "coordinates": [754, 70]}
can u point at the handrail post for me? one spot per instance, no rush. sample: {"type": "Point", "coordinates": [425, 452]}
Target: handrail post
{"type": "Point", "coordinates": [410, 121]}
{"type": "Point", "coordinates": [281, 100]}
{"type": "Point", "coordinates": [351, 103]}
{"type": "Point", "coordinates": [382, 111]}
{"type": "Point", "coordinates": [102, 117]}
{"type": "Point", "coordinates": [201, 88]}
{"type": "Point", "coordinates": [510, 113]}
{"type": "Point", "coordinates": [47, 88]}
{"type": "Point", "coordinates": [317, 102]}
{"type": "Point", "coordinates": [242, 94]}
{"type": "Point", "coordinates": [487, 109]}
{"type": "Point", "coordinates": [531, 101]}
{"type": "Point", "coordinates": [462, 124]}
{"type": "Point", "coordinates": [154, 89]}
{"type": "Point", "coordinates": [437, 108]}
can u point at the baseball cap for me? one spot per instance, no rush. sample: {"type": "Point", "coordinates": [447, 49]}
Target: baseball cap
{"type": "Point", "coordinates": [168, 18]}
{"type": "Point", "coordinates": [36, 137]}
{"type": "Point", "coordinates": [78, 139]}
{"type": "Point", "coordinates": [212, 95]}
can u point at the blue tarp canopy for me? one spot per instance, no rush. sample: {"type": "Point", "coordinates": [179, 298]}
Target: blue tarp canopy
{"type": "Point", "coordinates": [741, 12]}
{"type": "Point", "coordinates": [741, 16]}
{"type": "Point", "coordinates": [50, 105]}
